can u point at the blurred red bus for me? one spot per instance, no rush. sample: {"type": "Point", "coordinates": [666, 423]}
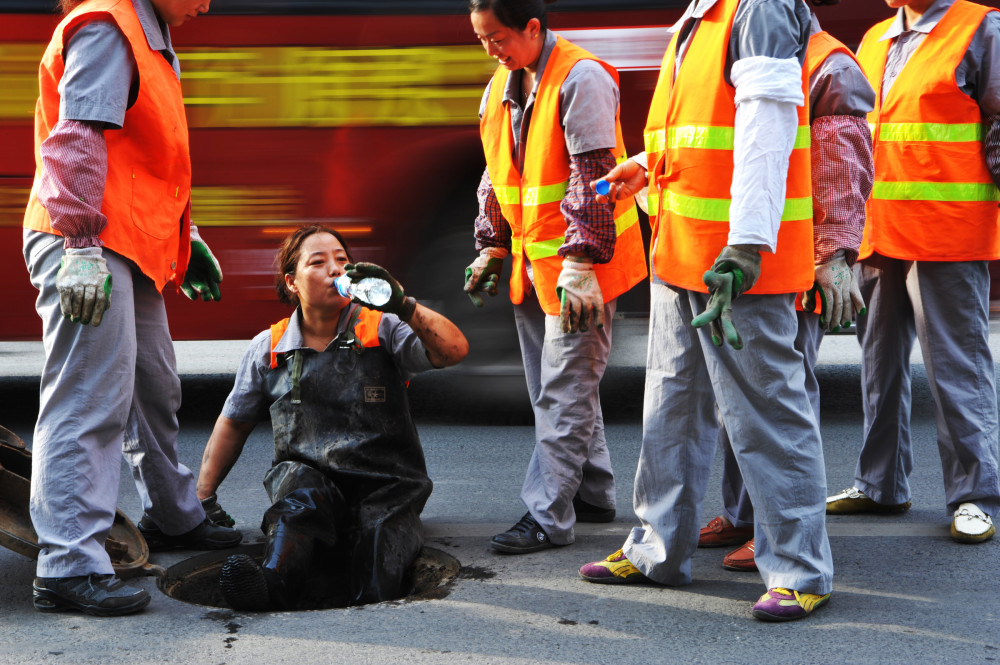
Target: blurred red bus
{"type": "Point", "coordinates": [360, 114]}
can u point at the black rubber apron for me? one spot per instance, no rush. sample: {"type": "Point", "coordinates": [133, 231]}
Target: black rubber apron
{"type": "Point", "coordinates": [348, 481]}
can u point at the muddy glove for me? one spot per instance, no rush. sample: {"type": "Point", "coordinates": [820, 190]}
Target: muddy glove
{"type": "Point", "coordinates": [580, 299]}
{"type": "Point", "coordinates": [215, 513]}
{"type": "Point", "coordinates": [839, 296]}
{"type": "Point", "coordinates": [399, 303]}
{"type": "Point", "coordinates": [483, 274]}
{"type": "Point", "coordinates": [734, 273]}
{"type": "Point", "coordinates": [84, 285]}
{"type": "Point", "coordinates": [201, 281]}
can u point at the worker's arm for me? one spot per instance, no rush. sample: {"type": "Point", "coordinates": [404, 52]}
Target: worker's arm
{"type": "Point", "coordinates": [221, 452]}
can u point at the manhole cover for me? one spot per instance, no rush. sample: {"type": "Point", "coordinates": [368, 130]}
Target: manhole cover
{"type": "Point", "coordinates": [196, 580]}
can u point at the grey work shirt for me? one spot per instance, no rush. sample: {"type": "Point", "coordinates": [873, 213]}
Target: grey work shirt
{"type": "Point", "coordinates": [977, 75]}
{"type": "Point", "coordinates": [839, 86]}
{"type": "Point", "coordinates": [248, 401]}
{"type": "Point", "coordinates": [100, 81]}
{"type": "Point", "coordinates": [588, 105]}
{"type": "Point", "coordinates": [771, 28]}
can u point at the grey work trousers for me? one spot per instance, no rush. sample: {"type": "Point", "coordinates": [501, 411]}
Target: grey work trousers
{"type": "Point", "coordinates": [105, 391]}
{"type": "Point", "coordinates": [946, 306]}
{"type": "Point", "coordinates": [563, 371]}
{"type": "Point", "coordinates": [737, 507]}
{"type": "Point", "coordinates": [762, 401]}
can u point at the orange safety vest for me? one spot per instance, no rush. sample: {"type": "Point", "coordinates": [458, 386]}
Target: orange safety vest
{"type": "Point", "coordinates": [689, 137]}
{"type": "Point", "coordinates": [148, 188]}
{"type": "Point", "coordinates": [933, 198]}
{"type": "Point", "coordinates": [530, 202]}
{"type": "Point", "coordinates": [821, 46]}
{"type": "Point", "coordinates": [365, 331]}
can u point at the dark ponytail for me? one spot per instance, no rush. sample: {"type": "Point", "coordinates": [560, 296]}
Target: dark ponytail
{"type": "Point", "coordinates": [513, 14]}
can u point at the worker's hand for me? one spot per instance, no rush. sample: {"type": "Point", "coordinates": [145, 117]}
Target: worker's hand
{"type": "Point", "coordinates": [201, 281]}
{"type": "Point", "coordinates": [580, 299]}
{"type": "Point", "coordinates": [625, 181]}
{"type": "Point", "coordinates": [84, 285]}
{"type": "Point", "coordinates": [215, 513]}
{"type": "Point", "coordinates": [839, 296]}
{"type": "Point", "coordinates": [734, 272]}
{"type": "Point", "coordinates": [483, 274]}
{"type": "Point", "coordinates": [399, 303]}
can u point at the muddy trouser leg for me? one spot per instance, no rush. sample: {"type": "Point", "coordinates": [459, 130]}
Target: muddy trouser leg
{"type": "Point", "coordinates": [303, 528]}
{"type": "Point", "coordinates": [390, 537]}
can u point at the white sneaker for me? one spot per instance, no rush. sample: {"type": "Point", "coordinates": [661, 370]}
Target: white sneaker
{"type": "Point", "coordinates": [971, 525]}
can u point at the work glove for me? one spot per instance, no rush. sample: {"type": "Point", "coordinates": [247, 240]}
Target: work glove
{"type": "Point", "coordinates": [839, 296]}
{"type": "Point", "coordinates": [203, 274]}
{"type": "Point", "coordinates": [580, 299]}
{"type": "Point", "coordinates": [483, 274]}
{"type": "Point", "coordinates": [399, 303]}
{"type": "Point", "coordinates": [734, 272]}
{"type": "Point", "coordinates": [215, 513]}
{"type": "Point", "coordinates": [84, 285]}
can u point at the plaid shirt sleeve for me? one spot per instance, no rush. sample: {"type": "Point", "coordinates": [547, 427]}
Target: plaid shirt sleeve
{"type": "Point", "coordinates": [71, 186]}
{"type": "Point", "coordinates": [842, 176]}
{"type": "Point", "coordinates": [492, 230]}
{"type": "Point", "coordinates": [590, 226]}
{"type": "Point", "coordinates": [991, 146]}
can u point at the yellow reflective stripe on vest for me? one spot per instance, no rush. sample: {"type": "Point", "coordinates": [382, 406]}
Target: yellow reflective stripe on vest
{"type": "Point", "coordinates": [626, 220]}
{"type": "Point", "coordinates": [544, 249]}
{"type": "Point", "coordinates": [930, 131]}
{"type": "Point", "coordinates": [507, 195]}
{"type": "Point", "coordinates": [717, 210]}
{"type": "Point", "coordinates": [935, 191]}
{"type": "Point", "coordinates": [707, 138]}
{"type": "Point", "coordinates": [536, 196]}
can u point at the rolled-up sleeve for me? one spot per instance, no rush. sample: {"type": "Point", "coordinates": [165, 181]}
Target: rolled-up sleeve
{"type": "Point", "coordinates": [248, 402]}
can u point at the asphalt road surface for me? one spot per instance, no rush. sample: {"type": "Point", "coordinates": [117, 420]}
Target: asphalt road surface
{"type": "Point", "coordinates": [903, 592]}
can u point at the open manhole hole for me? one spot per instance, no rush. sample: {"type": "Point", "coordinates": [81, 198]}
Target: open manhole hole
{"type": "Point", "coordinates": [196, 580]}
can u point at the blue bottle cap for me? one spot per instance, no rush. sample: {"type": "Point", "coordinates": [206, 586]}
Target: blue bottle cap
{"type": "Point", "coordinates": [603, 187]}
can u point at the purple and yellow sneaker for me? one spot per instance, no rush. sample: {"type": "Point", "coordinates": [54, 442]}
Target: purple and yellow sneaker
{"type": "Point", "coordinates": [780, 604]}
{"type": "Point", "coordinates": [616, 569]}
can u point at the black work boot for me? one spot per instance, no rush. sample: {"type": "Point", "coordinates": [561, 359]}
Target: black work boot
{"type": "Point", "coordinates": [205, 536]}
{"type": "Point", "coordinates": [99, 595]}
{"type": "Point", "coordinates": [525, 536]}
{"type": "Point", "coordinates": [588, 512]}
{"type": "Point", "coordinates": [243, 584]}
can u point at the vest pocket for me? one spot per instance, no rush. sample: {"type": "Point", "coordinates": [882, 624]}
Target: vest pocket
{"type": "Point", "coordinates": [155, 206]}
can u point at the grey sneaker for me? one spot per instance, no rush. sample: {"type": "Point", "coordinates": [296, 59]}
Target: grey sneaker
{"type": "Point", "coordinates": [206, 536]}
{"type": "Point", "coordinates": [99, 595]}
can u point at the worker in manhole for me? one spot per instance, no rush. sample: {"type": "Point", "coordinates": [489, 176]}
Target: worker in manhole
{"type": "Point", "coordinates": [349, 480]}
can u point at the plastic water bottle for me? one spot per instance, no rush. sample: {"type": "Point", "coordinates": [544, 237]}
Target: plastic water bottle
{"type": "Point", "coordinates": [602, 187]}
{"type": "Point", "coordinates": [370, 290]}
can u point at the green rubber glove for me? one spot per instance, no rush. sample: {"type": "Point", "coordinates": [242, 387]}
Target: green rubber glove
{"type": "Point", "coordinates": [84, 285]}
{"type": "Point", "coordinates": [483, 276]}
{"type": "Point", "coordinates": [399, 303]}
{"type": "Point", "coordinates": [734, 272]}
{"type": "Point", "coordinates": [201, 281]}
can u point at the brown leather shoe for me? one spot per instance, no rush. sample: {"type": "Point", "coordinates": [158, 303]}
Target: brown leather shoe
{"type": "Point", "coordinates": [741, 558]}
{"type": "Point", "coordinates": [719, 534]}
